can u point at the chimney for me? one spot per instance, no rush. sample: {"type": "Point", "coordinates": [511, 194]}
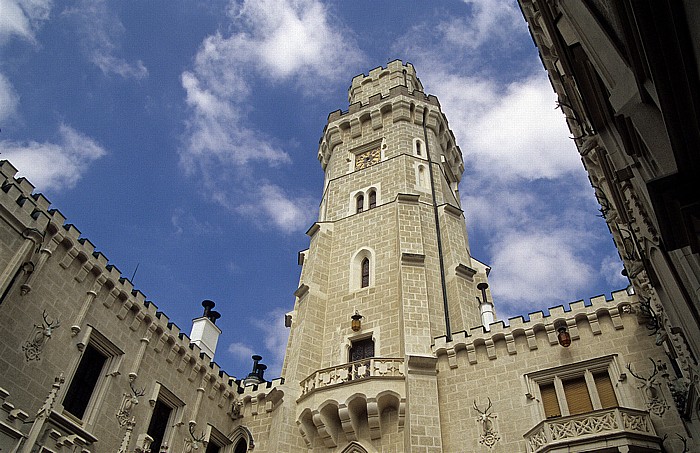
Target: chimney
{"type": "Point", "coordinates": [256, 376]}
{"type": "Point", "coordinates": [205, 334]}
{"type": "Point", "coordinates": [485, 307]}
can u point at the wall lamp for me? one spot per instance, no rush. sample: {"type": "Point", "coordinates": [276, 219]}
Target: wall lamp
{"type": "Point", "coordinates": [356, 323]}
{"type": "Point", "coordinates": [563, 336]}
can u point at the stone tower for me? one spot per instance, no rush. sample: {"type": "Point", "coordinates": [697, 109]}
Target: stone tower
{"type": "Point", "coordinates": [388, 269]}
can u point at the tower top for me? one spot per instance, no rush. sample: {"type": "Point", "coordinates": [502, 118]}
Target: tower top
{"type": "Point", "coordinates": [380, 80]}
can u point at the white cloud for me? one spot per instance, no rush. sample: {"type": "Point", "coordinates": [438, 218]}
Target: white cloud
{"type": "Point", "coordinates": [534, 270]}
{"type": "Point", "coordinates": [100, 30]}
{"type": "Point", "coordinates": [274, 335]}
{"type": "Point", "coordinates": [53, 165]}
{"type": "Point", "coordinates": [610, 268]}
{"type": "Point", "coordinates": [8, 99]}
{"type": "Point", "coordinates": [273, 41]}
{"type": "Point", "coordinates": [240, 351]}
{"type": "Point", "coordinates": [512, 132]}
{"type": "Point", "coordinates": [22, 18]}
{"type": "Point", "coordinates": [488, 20]}
{"type": "Point", "coordinates": [271, 204]}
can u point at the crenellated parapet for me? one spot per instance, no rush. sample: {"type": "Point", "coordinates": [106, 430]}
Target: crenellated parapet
{"type": "Point", "coordinates": [478, 342]}
{"type": "Point", "coordinates": [381, 110]}
{"type": "Point", "coordinates": [44, 232]}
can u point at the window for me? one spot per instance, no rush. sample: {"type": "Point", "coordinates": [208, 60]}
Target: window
{"type": "Point", "coordinates": [241, 447]}
{"type": "Point", "coordinates": [372, 199]}
{"type": "Point", "coordinates": [365, 273]}
{"type": "Point", "coordinates": [84, 381]}
{"type": "Point", "coordinates": [217, 442]}
{"type": "Point", "coordinates": [159, 423]}
{"type": "Point", "coordinates": [359, 203]}
{"type": "Point", "coordinates": [167, 412]}
{"type": "Point", "coordinates": [361, 349]}
{"type": "Point", "coordinates": [98, 363]}
{"type": "Point", "coordinates": [577, 388]}
{"type": "Point", "coordinates": [418, 147]}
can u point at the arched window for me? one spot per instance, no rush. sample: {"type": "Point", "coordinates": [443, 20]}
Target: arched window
{"type": "Point", "coordinates": [422, 176]}
{"type": "Point", "coordinates": [372, 199]}
{"type": "Point", "coordinates": [419, 151]}
{"type": "Point", "coordinates": [241, 447]}
{"type": "Point", "coordinates": [418, 147]}
{"type": "Point", "coordinates": [359, 203]}
{"type": "Point", "coordinates": [364, 283]}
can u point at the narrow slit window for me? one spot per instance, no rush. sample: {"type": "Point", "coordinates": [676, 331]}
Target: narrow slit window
{"type": "Point", "coordinates": [365, 273]}
{"type": "Point", "coordinates": [372, 199]}
{"type": "Point", "coordinates": [360, 203]}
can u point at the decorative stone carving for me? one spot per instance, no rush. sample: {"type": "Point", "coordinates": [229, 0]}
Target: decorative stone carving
{"type": "Point", "coordinates": [656, 402]}
{"type": "Point", "coordinates": [37, 339]}
{"type": "Point", "coordinates": [489, 434]}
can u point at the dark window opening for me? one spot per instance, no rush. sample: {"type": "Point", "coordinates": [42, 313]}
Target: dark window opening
{"type": "Point", "coordinates": [241, 447]}
{"type": "Point", "coordinates": [360, 203]}
{"type": "Point", "coordinates": [365, 273]}
{"type": "Point", "coordinates": [84, 381]}
{"type": "Point", "coordinates": [158, 424]}
{"type": "Point", "coordinates": [213, 448]}
{"type": "Point", "coordinates": [418, 149]}
{"type": "Point", "coordinates": [372, 199]}
{"type": "Point", "coordinates": [362, 349]}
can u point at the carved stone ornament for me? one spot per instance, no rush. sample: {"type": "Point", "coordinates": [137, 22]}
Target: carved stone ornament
{"type": "Point", "coordinates": [656, 402]}
{"type": "Point", "coordinates": [38, 338]}
{"type": "Point", "coordinates": [489, 434]}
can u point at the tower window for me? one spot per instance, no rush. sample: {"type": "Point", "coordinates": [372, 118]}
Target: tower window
{"type": "Point", "coordinates": [372, 199]}
{"type": "Point", "coordinates": [419, 151]}
{"type": "Point", "coordinates": [418, 147]}
{"type": "Point", "coordinates": [365, 273]}
{"type": "Point", "coordinates": [359, 203]}
{"type": "Point", "coordinates": [362, 349]}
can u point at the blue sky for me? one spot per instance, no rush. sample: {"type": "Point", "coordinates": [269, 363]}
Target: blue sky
{"type": "Point", "coordinates": [181, 137]}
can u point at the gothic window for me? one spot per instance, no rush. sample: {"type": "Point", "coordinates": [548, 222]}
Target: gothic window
{"type": "Point", "coordinates": [217, 442]}
{"type": "Point", "coordinates": [98, 363]}
{"type": "Point", "coordinates": [419, 147]}
{"type": "Point", "coordinates": [359, 203]}
{"type": "Point", "coordinates": [577, 389]}
{"type": "Point", "coordinates": [372, 199]}
{"type": "Point", "coordinates": [361, 349]}
{"type": "Point", "coordinates": [422, 176]}
{"type": "Point", "coordinates": [365, 273]}
{"type": "Point", "coordinates": [362, 265]}
{"type": "Point", "coordinates": [241, 447]}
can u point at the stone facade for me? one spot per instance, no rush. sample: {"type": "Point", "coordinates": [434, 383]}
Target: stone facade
{"type": "Point", "coordinates": [391, 345]}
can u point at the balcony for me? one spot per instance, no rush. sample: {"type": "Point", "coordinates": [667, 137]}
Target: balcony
{"type": "Point", "coordinates": [375, 367]}
{"type": "Point", "coordinates": [601, 430]}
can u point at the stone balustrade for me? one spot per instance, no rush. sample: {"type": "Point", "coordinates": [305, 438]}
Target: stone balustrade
{"type": "Point", "coordinates": [592, 427]}
{"type": "Point", "coordinates": [374, 367]}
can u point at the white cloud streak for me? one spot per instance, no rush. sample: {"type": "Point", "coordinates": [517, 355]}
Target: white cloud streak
{"type": "Point", "coordinates": [273, 41]}
{"type": "Point", "coordinates": [22, 17]}
{"type": "Point", "coordinates": [100, 30]}
{"type": "Point", "coordinates": [274, 334]}
{"type": "Point", "coordinates": [9, 100]}
{"type": "Point", "coordinates": [55, 166]}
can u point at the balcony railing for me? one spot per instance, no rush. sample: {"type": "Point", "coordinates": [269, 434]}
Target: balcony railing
{"type": "Point", "coordinates": [591, 427]}
{"type": "Point", "coordinates": [374, 367]}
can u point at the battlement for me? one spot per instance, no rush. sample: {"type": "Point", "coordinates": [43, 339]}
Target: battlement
{"type": "Point", "coordinates": [538, 322]}
{"type": "Point", "coordinates": [380, 80]}
{"type": "Point", "coordinates": [30, 212]}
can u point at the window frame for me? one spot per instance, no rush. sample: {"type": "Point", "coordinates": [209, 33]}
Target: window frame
{"type": "Point", "coordinates": [177, 406]}
{"type": "Point", "coordinates": [110, 368]}
{"type": "Point", "coordinates": [558, 375]}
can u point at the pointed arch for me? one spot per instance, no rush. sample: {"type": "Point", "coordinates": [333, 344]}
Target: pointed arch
{"type": "Point", "coordinates": [354, 447]}
{"type": "Point", "coordinates": [242, 440]}
{"type": "Point", "coordinates": [362, 266]}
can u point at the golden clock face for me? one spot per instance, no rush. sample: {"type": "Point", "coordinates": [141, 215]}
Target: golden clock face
{"type": "Point", "coordinates": [364, 160]}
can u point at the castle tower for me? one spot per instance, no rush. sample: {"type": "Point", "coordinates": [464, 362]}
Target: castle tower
{"type": "Point", "coordinates": [388, 270]}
